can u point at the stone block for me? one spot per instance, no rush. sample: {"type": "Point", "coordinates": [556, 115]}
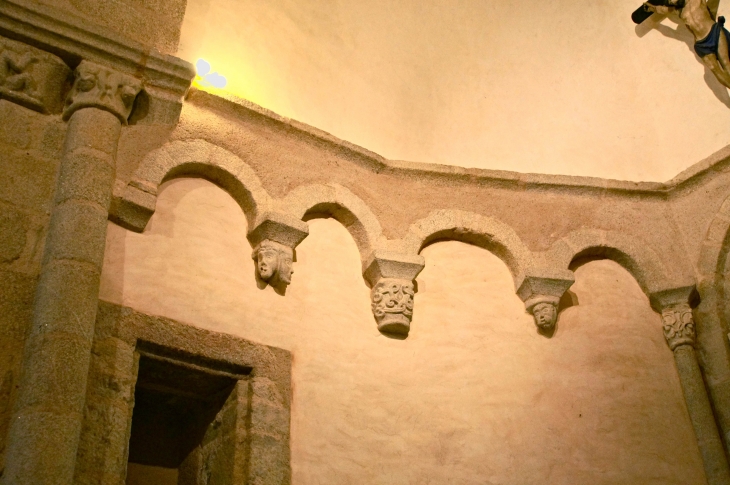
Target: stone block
{"type": "Point", "coordinates": [544, 282]}
{"type": "Point", "coordinates": [54, 379]}
{"type": "Point", "coordinates": [269, 461]}
{"type": "Point", "coordinates": [78, 232]}
{"type": "Point", "coordinates": [24, 465]}
{"type": "Point", "coordinates": [134, 207]}
{"type": "Point", "coordinates": [13, 228]}
{"type": "Point", "coordinates": [16, 305]}
{"type": "Point", "coordinates": [86, 176]}
{"type": "Point", "coordinates": [279, 227]}
{"type": "Point", "coordinates": [93, 129]}
{"type": "Point", "coordinates": [68, 297]}
{"type": "Point", "coordinates": [27, 181]}
{"type": "Point", "coordinates": [385, 264]}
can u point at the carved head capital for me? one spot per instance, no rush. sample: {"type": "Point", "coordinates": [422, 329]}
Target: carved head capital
{"type": "Point", "coordinates": [99, 87]}
{"type": "Point", "coordinates": [545, 314]}
{"type": "Point", "coordinates": [392, 304]}
{"type": "Point", "coordinates": [679, 326]}
{"type": "Point", "coordinates": [274, 263]}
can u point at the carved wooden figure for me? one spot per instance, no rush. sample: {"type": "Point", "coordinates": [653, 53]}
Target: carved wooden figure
{"type": "Point", "coordinates": [711, 37]}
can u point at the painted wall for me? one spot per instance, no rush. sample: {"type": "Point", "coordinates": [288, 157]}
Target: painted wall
{"type": "Point", "coordinates": [473, 396]}
{"type": "Point", "coordinates": [568, 87]}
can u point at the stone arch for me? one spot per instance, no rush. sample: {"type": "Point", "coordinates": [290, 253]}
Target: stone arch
{"type": "Point", "coordinates": [309, 202]}
{"type": "Point", "coordinates": [628, 251]}
{"type": "Point", "coordinates": [485, 232]}
{"type": "Point", "coordinates": [188, 158]}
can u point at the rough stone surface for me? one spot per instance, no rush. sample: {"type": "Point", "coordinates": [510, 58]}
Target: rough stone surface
{"type": "Point", "coordinates": [32, 77]}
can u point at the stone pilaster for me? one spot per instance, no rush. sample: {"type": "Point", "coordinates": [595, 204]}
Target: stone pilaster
{"type": "Point", "coordinates": [44, 434]}
{"type": "Point", "coordinates": [679, 332]}
{"type": "Point", "coordinates": [274, 240]}
{"type": "Point", "coordinates": [541, 290]}
{"type": "Point", "coordinates": [391, 277]}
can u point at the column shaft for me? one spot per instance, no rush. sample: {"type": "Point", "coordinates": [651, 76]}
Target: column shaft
{"type": "Point", "coordinates": [700, 413]}
{"type": "Point", "coordinates": [44, 434]}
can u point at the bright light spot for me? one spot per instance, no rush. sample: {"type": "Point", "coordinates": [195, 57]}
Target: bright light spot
{"type": "Point", "coordinates": [203, 67]}
{"type": "Point", "coordinates": [216, 80]}
{"type": "Point", "coordinates": [207, 79]}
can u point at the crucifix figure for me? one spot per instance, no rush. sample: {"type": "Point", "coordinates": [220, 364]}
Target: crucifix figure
{"type": "Point", "coordinates": [700, 17]}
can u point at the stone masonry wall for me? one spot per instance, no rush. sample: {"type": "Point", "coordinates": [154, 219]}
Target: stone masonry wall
{"type": "Point", "coordinates": [30, 145]}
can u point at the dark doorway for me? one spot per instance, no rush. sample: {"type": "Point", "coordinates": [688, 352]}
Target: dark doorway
{"type": "Point", "coordinates": [186, 420]}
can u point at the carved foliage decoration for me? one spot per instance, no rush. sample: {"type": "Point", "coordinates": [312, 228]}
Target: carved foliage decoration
{"type": "Point", "coordinates": [96, 86]}
{"type": "Point", "coordinates": [679, 327]}
{"type": "Point", "coordinates": [392, 304]}
{"type": "Point", "coordinates": [274, 265]}
{"type": "Point", "coordinates": [31, 77]}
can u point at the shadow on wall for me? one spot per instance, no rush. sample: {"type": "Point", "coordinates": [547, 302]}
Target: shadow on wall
{"type": "Point", "coordinates": [682, 34]}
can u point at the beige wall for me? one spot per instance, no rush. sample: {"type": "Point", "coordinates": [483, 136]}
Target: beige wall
{"type": "Point", "coordinates": [566, 87]}
{"type": "Point", "coordinates": [473, 396]}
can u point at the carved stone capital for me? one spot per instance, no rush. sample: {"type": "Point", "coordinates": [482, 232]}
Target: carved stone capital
{"type": "Point", "coordinates": [392, 279]}
{"type": "Point", "coordinates": [274, 240]}
{"type": "Point", "coordinates": [392, 304]}
{"type": "Point", "coordinates": [31, 77]}
{"type": "Point", "coordinates": [679, 326]}
{"type": "Point", "coordinates": [96, 86]}
{"type": "Point", "coordinates": [541, 290]}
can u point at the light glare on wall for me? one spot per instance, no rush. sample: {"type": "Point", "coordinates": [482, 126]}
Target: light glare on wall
{"type": "Point", "coordinates": [207, 79]}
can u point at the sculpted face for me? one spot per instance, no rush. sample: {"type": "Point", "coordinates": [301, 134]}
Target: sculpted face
{"type": "Point", "coordinates": [267, 262]}
{"type": "Point", "coordinates": [273, 265]}
{"type": "Point", "coordinates": [545, 315]}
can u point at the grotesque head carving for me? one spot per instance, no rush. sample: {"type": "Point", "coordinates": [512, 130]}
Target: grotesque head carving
{"type": "Point", "coordinates": [273, 265]}
{"type": "Point", "coordinates": [546, 314]}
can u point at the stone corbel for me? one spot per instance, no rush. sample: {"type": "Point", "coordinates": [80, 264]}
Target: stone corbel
{"type": "Point", "coordinates": [96, 86]}
{"type": "Point", "coordinates": [274, 240]}
{"type": "Point", "coordinates": [541, 291]}
{"type": "Point", "coordinates": [31, 77]}
{"type": "Point", "coordinates": [391, 277]}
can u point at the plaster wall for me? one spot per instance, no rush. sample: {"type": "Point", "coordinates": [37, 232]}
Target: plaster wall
{"type": "Point", "coordinates": [473, 396]}
{"type": "Point", "coordinates": [568, 87]}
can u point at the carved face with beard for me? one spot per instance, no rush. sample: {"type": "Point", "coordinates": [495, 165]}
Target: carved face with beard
{"type": "Point", "coordinates": [273, 265]}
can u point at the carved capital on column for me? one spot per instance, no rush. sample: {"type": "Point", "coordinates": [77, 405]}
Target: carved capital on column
{"type": "Point", "coordinates": [392, 304]}
{"type": "Point", "coordinates": [96, 86]}
{"type": "Point", "coordinates": [392, 279]}
{"type": "Point", "coordinates": [274, 240]}
{"type": "Point", "coordinates": [679, 326]}
{"type": "Point", "coordinates": [31, 77]}
{"type": "Point", "coordinates": [541, 290]}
